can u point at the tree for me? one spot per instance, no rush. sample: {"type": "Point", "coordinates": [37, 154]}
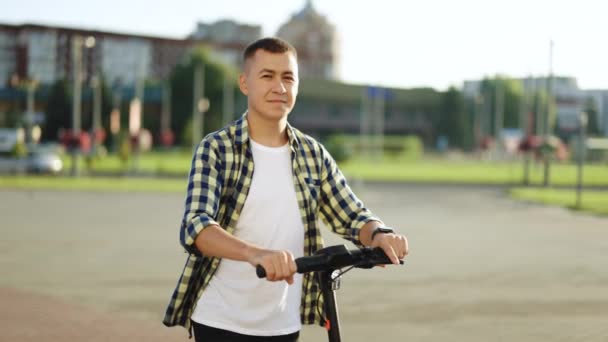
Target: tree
{"type": "Point", "coordinates": [539, 105]}
{"type": "Point", "coordinates": [182, 80]}
{"type": "Point", "coordinates": [512, 94]}
{"type": "Point", "coordinates": [453, 121]}
{"type": "Point", "coordinates": [592, 122]}
{"type": "Point", "coordinates": [58, 111]}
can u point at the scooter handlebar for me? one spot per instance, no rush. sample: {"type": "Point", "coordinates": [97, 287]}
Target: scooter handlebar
{"type": "Point", "coordinates": [335, 257]}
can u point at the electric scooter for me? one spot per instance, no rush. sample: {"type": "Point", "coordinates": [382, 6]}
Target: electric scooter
{"type": "Point", "coordinates": [327, 264]}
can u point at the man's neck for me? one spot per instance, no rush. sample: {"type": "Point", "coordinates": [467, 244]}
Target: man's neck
{"type": "Point", "coordinates": [267, 133]}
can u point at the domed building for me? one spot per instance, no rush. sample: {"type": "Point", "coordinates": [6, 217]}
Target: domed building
{"type": "Point", "coordinates": [316, 40]}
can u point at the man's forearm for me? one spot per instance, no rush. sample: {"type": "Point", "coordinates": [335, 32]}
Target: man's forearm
{"type": "Point", "coordinates": [365, 234]}
{"type": "Point", "coordinates": [214, 241]}
{"type": "Point", "coordinates": [279, 265]}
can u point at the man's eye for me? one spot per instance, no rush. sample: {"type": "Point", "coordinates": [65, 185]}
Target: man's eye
{"type": "Point", "coordinates": [266, 76]}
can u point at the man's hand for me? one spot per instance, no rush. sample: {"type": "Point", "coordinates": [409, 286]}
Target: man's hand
{"type": "Point", "coordinates": [279, 265]}
{"type": "Point", "coordinates": [394, 246]}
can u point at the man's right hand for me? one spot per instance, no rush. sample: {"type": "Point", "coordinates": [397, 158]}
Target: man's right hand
{"type": "Point", "coordinates": [279, 265]}
{"type": "Point", "coordinates": [213, 241]}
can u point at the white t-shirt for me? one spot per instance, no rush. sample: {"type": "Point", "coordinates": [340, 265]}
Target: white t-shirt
{"type": "Point", "coordinates": [235, 299]}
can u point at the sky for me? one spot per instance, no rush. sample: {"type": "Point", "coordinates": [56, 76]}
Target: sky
{"type": "Point", "coordinates": [396, 43]}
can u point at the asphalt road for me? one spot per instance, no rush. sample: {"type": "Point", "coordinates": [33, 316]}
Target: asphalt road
{"type": "Point", "coordinates": [100, 266]}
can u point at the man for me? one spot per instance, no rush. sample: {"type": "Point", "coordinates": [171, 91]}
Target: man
{"type": "Point", "coordinates": [236, 219]}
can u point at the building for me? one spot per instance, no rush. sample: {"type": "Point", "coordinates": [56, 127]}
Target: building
{"type": "Point", "coordinates": [228, 39]}
{"type": "Point", "coordinates": [600, 100]}
{"type": "Point", "coordinates": [317, 43]}
{"type": "Point", "coordinates": [226, 32]}
{"type": "Point", "coordinates": [570, 100]}
{"type": "Point", "coordinates": [8, 53]}
{"type": "Point", "coordinates": [325, 105]}
{"type": "Point", "coordinates": [44, 53]}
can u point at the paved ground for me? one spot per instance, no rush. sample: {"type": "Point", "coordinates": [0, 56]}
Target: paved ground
{"type": "Point", "coordinates": [101, 266]}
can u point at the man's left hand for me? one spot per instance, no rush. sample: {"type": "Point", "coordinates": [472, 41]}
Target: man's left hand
{"type": "Point", "coordinates": [394, 245]}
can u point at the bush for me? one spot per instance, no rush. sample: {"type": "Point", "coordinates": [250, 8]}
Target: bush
{"type": "Point", "coordinates": [124, 149]}
{"type": "Point", "coordinates": [339, 148]}
{"type": "Point", "coordinates": [342, 147]}
{"type": "Point", "coordinates": [412, 147]}
{"type": "Point", "coordinates": [19, 150]}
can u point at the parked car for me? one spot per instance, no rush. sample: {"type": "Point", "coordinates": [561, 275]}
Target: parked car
{"type": "Point", "coordinates": [35, 162]}
{"type": "Point", "coordinates": [44, 162]}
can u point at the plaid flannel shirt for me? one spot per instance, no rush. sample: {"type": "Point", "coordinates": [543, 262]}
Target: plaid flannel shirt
{"type": "Point", "coordinates": [219, 180]}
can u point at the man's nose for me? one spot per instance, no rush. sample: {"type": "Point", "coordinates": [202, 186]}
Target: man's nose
{"type": "Point", "coordinates": [279, 87]}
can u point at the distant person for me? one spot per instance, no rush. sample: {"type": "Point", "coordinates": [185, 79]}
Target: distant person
{"type": "Point", "coordinates": [255, 191]}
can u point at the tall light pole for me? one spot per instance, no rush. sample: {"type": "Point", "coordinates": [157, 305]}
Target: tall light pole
{"type": "Point", "coordinates": [200, 104]}
{"type": "Point", "coordinates": [136, 111]}
{"type": "Point", "coordinates": [499, 112]}
{"type": "Point", "coordinates": [165, 119]}
{"type": "Point", "coordinates": [89, 43]}
{"type": "Point", "coordinates": [538, 124]}
{"type": "Point", "coordinates": [77, 43]}
{"type": "Point", "coordinates": [364, 120]}
{"type": "Point", "coordinates": [379, 108]}
{"type": "Point", "coordinates": [115, 114]}
{"type": "Point", "coordinates": [487, 113]}
{"type": "Point", "coordinates": [582, 130]}
{"type": "Point", "coordinates": [228, 98]}
{"type": "Point", "coordinates": [547, 150]}
{"type": "Point", "coordinates": [96, 85]}
{"type": "Point", "coordinates": [477, 119]}
{"type": "Point", "coordinates": [526, 129]}
{"type": "Point", "coordinates": [31, 86]}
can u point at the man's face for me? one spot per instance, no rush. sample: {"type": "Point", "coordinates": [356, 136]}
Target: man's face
{"type": "Point", "coordinates": [270, 82]}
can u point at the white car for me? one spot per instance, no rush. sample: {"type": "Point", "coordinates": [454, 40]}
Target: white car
{"type": "Point", "coordinates": [34, 162]}
{"type": "Point", "coordinates": [44, 162]}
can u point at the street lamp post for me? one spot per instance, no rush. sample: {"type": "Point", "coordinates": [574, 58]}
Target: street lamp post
{"type": "Point", "coordinates": [77, 74]}
{"type": "Point", "coordinates": [77, 42]}
{"type": "Point", "coordinates": [199, 106]}
{"type": "Point", "coordinates": [228, 99]}
{"type": "Point", "coordinates": [165, 118]}
{"type": "Point", "coordinates": [548, 112]}
{"type": "Point", "coordinates": [31, 86]}
{"type": "Point", "coordinates": [582, 128]}
{"type": "Point", "coordinates": [477, 113]}
{"type": "Point", "coordinates": [96, 85]}
{"type": "Point", "coordinates": [115, 115]}
{"type": "Point", "coordinates": [364, 121]}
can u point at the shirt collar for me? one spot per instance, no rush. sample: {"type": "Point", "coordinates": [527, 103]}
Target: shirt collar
{"type": "Point", "coordinates": [242, 132]}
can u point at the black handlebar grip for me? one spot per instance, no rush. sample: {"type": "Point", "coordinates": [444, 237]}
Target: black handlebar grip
{"type": "Point", "coordinates": [382, 258]}
{"type": "Point", "coordinates": [363, 258]}
{"type": "Point", "coordinates": [303, 265]}
{"type": "Point", "coordinates": [260, 271]}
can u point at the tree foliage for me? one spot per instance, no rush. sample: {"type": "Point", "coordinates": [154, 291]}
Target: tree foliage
{"type": "Point", "coordinates": [182, 90]}
{"type": "Point", "coordinates": [454, 123]}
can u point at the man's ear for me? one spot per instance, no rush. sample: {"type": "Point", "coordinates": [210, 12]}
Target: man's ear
{"type": "Point", "coordinates": [243, 84]}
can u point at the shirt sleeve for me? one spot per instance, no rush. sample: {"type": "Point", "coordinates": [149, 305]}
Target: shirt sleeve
{"type": "Point", "coordinates": [340, 209]}
{"type": "Point", "coordinates": [203, 194]}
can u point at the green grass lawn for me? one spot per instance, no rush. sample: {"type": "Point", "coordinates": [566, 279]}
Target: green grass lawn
{"type": "Point", "coordinates": [591, 201]}
{"type": "Point", "coordinates": [423, 171]}
{"type": "Point", "coordinates": [117, 184]}
{"type": "Point", "coordinates": [175, 163]}
{"type": "Point", "coordinates": [426, 170]}
{"type": "Point", "coordinates": [470, 172]}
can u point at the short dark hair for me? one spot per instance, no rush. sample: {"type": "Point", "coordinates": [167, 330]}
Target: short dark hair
{"type": "Point", "coordinates": [269, 44]}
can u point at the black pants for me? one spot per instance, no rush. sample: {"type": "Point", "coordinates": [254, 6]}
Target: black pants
{"type": "Point", "coordinates": [205, 333]}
